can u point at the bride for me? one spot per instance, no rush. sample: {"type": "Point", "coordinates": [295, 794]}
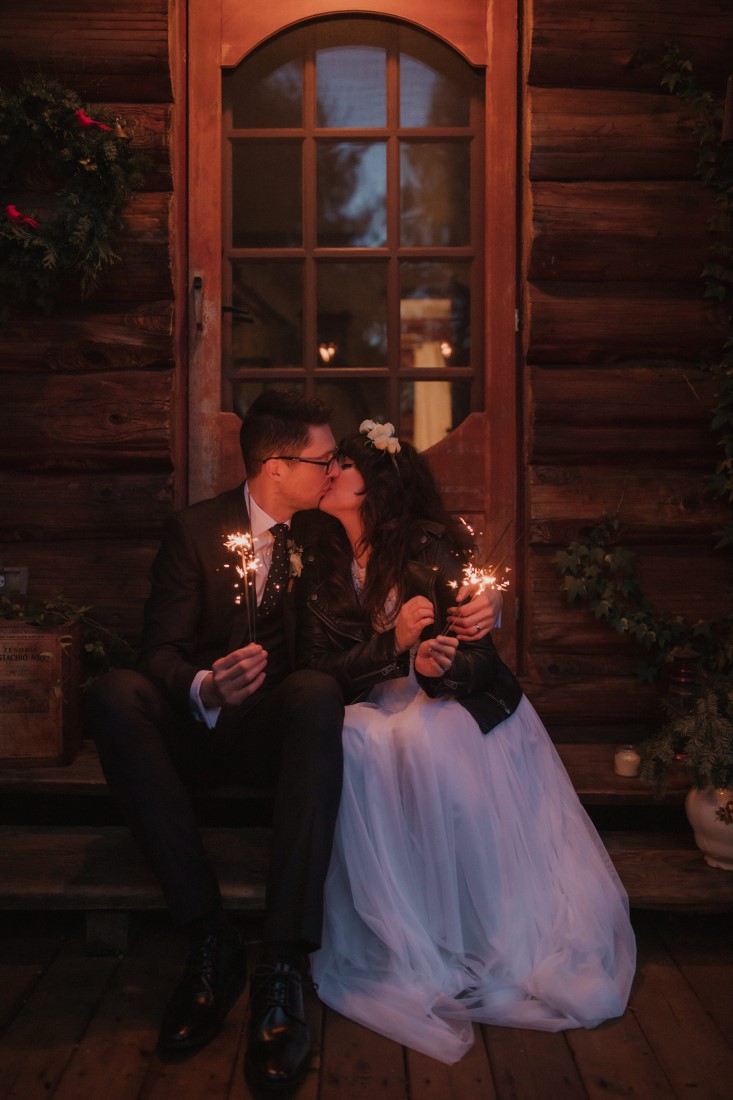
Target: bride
{"type": "Point", "coordinates": [466, 882]}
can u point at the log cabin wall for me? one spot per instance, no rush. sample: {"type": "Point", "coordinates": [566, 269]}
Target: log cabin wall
{"type": "Point", "coordinates": [89, 447]}
{"type": "Point", "coordinates": [616, 411]}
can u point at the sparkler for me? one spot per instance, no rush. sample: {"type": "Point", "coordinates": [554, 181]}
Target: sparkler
{"type": "Point", "coordinates": [243, 545]}
{"type": "Point", "coordinates": [479, 578]}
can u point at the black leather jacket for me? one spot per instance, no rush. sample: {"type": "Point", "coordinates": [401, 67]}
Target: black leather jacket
{"type": "Point", "coordinates": [359, 658]}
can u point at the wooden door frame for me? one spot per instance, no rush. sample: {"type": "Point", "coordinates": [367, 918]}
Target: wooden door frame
{"type": "Point", "coordinates": [213, 434]}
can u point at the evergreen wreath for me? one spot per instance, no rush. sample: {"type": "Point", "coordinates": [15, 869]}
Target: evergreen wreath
{"type": "Point", "coordinates": [88, 172]}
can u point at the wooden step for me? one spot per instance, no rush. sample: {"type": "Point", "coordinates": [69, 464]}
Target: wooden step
{"type": "Point", "coordinates": [100, 868]}
{"type": "Point", "coordinates": [85, 867]}
{"type": "Point", "coordinates": [590, 768]}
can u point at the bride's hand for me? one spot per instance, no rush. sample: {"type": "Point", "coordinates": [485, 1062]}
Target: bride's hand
{"type": "Point", "coordinates": [414, 616]}
{"type": "Point", "coordinates": [473, 618]}
{"type": "Point", "coordinates": [435, 655]}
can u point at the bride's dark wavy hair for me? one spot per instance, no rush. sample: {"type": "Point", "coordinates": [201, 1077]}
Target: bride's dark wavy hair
{"type": "Point", "coordinates": [400, 490]}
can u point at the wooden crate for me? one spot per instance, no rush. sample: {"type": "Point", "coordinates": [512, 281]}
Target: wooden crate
{"type": "Point", "coordinates": [39, 694]}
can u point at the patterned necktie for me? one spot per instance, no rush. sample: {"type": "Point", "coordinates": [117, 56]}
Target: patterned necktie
{"type": "Point", "coordinates": [277, 577]}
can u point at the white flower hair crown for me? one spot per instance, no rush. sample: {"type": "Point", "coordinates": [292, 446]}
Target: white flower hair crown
{"type": "Point", "coordinates": [381, 436]}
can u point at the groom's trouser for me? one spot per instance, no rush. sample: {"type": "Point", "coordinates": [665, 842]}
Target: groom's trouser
{"type": "Point", "coordinates": [287, 737]}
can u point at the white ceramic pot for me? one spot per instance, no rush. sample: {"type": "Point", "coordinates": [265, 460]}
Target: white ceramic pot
{"type": "Point", "coordinates": [710, 813]}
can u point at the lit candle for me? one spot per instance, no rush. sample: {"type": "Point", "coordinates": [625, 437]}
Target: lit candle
{"type": "Point", "coordinates": [626, 760]}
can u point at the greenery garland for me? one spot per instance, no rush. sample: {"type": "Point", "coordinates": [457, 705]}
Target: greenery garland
{"type": "Point", "coordinates": [48, 136]}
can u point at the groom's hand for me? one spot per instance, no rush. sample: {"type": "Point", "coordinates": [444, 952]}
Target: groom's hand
{"type": "Point", "coordinates": [234, 677]}
{"type": "Point", "coordinates": [472, 619]}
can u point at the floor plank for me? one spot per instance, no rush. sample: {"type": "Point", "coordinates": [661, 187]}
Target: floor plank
{"type": "Point", "coordinates": [118, 1047]}
{"type": "Point", "coordinates": [469, 1079]}
{"type": "Point", "coordinates": [529, 1064]}
{"type": "Point", "coordinates": [691, 1049]}
{"type": "Point", "coordinates": [359, 1064]}
{"type": "Point", "coordinates": [77, 1028]}
{"type": "Point", "coordinates": [702, 948]}
{"type": "Point", "coordinates": [41, 1039]}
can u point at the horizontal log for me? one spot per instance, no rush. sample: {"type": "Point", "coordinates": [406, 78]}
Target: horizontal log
{"type": "Point", "coordinates": [656, 504]}
{"type": "Point", "coordinates": [590, 413]}
{"type": "Point", "coordinates": [678, 580]}
{"type": "Point", "coordinates": [88, 422]}
{"type": "Point", "coordinates": [617, 231]}
{"type": "Point", "coordinates": [600, 704]}
{"type": "Point", "coordinates": [104, 51]}
{"type": "Point", "coordinates": [620, 44]}
{"type": "Point", "coordinates": [110, 576]}
{"type": "Point", "coordinates": [36, 507]}
{"type": "Point", "coordinates": [89, 337]}
{"type": "Point", "coordinates": [585, 323]}
{"type": "Point", "coordinates": [596, 135]}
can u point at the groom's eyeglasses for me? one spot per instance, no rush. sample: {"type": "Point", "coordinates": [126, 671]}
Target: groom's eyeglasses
{"type": "Point", "coordinates": [327, 463]}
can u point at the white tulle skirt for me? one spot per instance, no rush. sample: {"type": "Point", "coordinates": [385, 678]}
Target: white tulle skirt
{"type": "Point", "coordinates": [467, 883]}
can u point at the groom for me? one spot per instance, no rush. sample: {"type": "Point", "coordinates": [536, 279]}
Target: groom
{"type": "Point", "coordinates": [208, 699]}
{"type": "Point", "coordinates": [213, 696]}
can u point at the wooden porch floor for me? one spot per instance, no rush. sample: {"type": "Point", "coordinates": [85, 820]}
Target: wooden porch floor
{"type": "Point", "coordinates": [74, 1027]}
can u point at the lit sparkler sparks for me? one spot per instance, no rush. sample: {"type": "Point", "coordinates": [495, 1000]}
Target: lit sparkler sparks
{"type": "Point", "coordinates": [479, 579]}
{"type": "Point", "coordinates": [243, 545]}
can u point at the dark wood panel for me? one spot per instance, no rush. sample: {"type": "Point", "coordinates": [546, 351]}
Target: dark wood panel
{"type": "Point", "coordinates": [682, 580]}
{"type": "Point", "coordinates": [629, 412]}
{"type": "Point", "coordinates": [595, 135]}
{"type": "Point", "coordinates": [620, 44]}
{"type": "Point", "coordinates": [110, 576]}
{"type": "Point", "coordinates": [35, 507]}
{"type": "Point", "coordinates": [656, 503]}
{"type": "Point", "coordinates": [616, 231]}
{"type": "Point", "coordinates": [594, 707]}
{"type": "Point", "coordinates": [87, 422]}
{"type": "Point", "coordinates": [89, 337]}
{"type": "Point", "coordinates": [583, 323]}
{"type": "Point", "coordinates": [115, 50]}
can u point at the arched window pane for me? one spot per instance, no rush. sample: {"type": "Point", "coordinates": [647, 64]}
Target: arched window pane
{"type": "Point", "coordinates": [352, 194]}
{"type": "Point", "coordinates": [267, 92]}
{"type": "Point", "coordinates": [266, 194]}
{"type": "Point", "coordinates": [351, 86]}
{"type": "Point", "coordinates": [357, 253]}
{"type": "Point", "coordinates": [435, 313]}
{"type": "Point", "coordinates": [272, 295]}
{"type": "Point", "coordinates": [435, 193]}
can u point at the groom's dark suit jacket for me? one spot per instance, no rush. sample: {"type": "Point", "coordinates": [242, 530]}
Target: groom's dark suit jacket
{"type": "Point", "coordinates": [191, 617]}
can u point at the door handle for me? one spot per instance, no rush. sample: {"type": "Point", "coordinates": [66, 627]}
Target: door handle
{"type": "Point", "coordinates": [242, 314]}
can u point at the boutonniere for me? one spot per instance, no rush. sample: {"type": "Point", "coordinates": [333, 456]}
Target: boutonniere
{"type": "Point", "coordinates": [296, 559]}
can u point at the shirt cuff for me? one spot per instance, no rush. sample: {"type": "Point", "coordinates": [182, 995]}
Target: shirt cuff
{"type": "Point", "coordinates": [208, 715]}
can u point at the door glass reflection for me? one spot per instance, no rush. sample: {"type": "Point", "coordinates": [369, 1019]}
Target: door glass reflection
{"type": "Point", "coordinates": [267, 91]}
{"type": "Point", "coordinates": [266, 195]}
{"type": "Point", "coordinates": [353, 400]}
{"type": "Point", "coordinates": [352, 315]}
{"type": "Point", "coordinates": [434, 83]}
{"type": "Point", "coordinates": [435, 314]}
{"type": "Point", "coordinates": [272, 295]}
{"type": "Point", "coordinates": [435, 193]}
{"type": "Point", "coordinates": [351, 86]}
{"type": "Point", "coordinates": [430, 410]}
{"type": "Point", "coordinates": [352, 191]}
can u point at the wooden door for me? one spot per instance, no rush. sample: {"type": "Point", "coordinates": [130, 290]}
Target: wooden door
{"type": "Point", "coordinates": [477, 463]}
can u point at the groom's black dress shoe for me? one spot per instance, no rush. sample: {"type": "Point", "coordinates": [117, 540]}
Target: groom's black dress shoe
{"type": "Point", "coordinates": [214, 977]}
{"type": "Point", "coordinates": [279, 1047]}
